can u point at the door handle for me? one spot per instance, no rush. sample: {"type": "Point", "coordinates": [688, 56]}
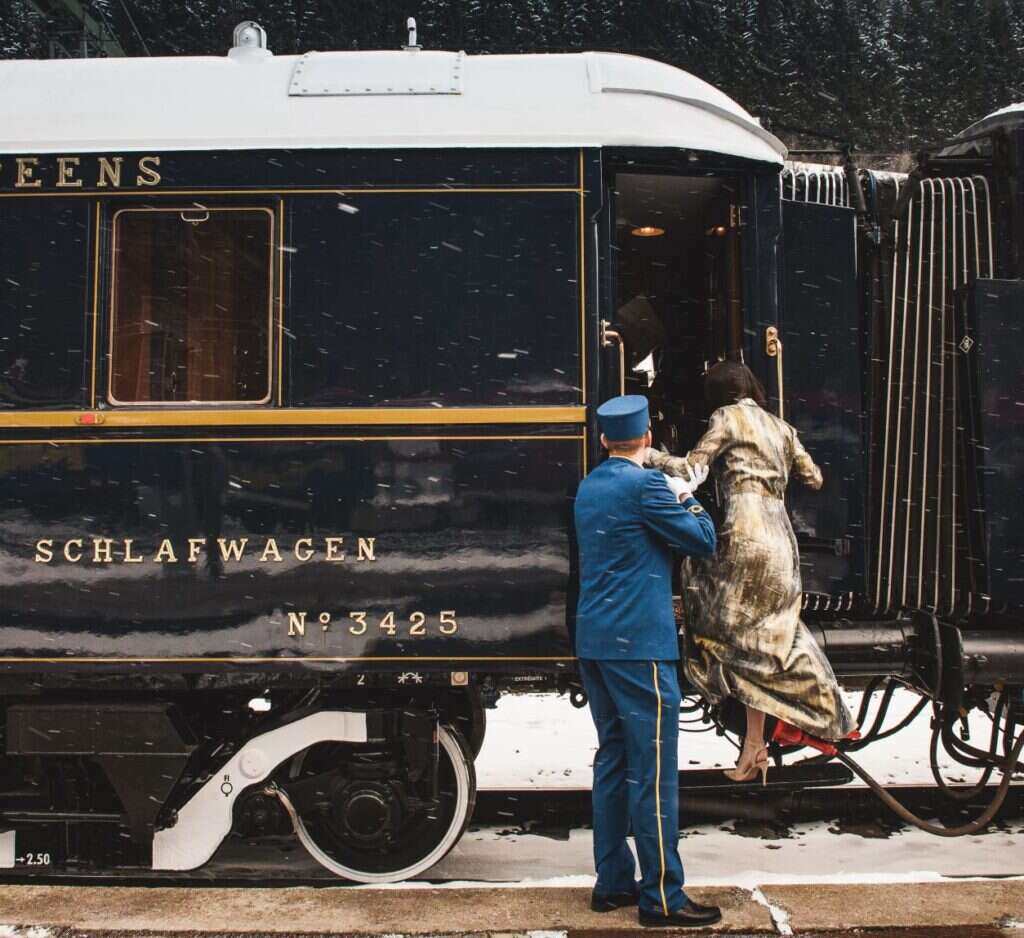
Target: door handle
{"type": "Point", "coordinates": [609, 337]}
{"type": "Point", "coordinates": [773, 349]}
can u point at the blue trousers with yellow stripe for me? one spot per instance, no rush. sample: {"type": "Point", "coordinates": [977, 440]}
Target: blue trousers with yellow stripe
{"type": "Point", "coordinates": [635, 707]}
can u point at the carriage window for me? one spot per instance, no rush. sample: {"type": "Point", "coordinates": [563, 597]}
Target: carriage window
{"type": "Point", "coordinates": [192, 306]}
{"type": "Point", "coordinates": [45, 247]}
{"type": "Point", "coordinates": [419, 299]}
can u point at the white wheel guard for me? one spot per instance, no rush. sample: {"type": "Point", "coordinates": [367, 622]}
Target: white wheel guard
{"type": "Point", "coordinates": [7, 851]}
{"type": "Point", "coordinates": [205, 820]}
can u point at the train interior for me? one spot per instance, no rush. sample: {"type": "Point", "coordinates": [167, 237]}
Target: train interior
{"type": "Point", "coordinates": [677, 289]}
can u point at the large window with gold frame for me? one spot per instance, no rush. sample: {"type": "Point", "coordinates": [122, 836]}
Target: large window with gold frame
{"type": "Point", "coordinates": [191, 305]}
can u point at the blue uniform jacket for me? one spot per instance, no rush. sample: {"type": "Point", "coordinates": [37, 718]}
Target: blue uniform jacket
{"type": "Point", "coordinates": [627, 524]}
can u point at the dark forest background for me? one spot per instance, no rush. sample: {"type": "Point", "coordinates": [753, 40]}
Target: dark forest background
{"type": "Point", "coordinates": [888, 75]}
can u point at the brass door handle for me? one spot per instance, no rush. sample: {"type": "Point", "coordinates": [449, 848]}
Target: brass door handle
{"type": "Point", "coordinates": [608, 336]}
{"type": "Point", "coordinates": [773, 349]}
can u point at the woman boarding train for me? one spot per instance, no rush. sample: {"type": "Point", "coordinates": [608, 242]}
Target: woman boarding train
{"type": "Point", "coordinates": [742, 603]}
{"type": "Point", "coordinates": [752, 644]}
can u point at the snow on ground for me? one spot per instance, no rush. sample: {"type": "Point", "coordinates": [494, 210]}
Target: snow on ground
{"type": "Point", "coordinates": [542, 741]}
{"type": "Point", "coordinates": [724, 856]}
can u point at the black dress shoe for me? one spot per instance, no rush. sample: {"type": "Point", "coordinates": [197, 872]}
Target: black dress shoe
{"type": "Point", "coordinates": [611, 902]}
{"type": "Point", "coordinates": [691, 915]}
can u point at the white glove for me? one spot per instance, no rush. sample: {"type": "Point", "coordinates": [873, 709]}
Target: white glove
{"type": "Point", "coordinates": [684, 486]}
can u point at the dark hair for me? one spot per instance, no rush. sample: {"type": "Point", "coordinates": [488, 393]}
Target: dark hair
{"type": "Point", "coordinates": [624, 446]}
{"type": "Point", "coordinates": [729, 382]}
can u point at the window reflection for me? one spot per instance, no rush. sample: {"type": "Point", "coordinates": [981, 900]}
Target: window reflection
{"type": "Point", "coordinates": [191, 312]}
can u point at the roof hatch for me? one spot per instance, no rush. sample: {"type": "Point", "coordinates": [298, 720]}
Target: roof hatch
{"type": "Point", "coordinates": [410, 71]}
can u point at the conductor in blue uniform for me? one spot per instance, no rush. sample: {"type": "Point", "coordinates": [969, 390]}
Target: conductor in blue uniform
{"type": "Point", "coordinates": [629, 520]}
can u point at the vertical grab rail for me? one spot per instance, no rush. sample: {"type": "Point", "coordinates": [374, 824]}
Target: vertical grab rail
{"type": "Point", "coordinates": [773, 349]}
{"type": "Point", "coordinates": [609, 336]}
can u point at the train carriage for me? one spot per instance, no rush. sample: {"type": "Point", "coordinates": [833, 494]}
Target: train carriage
{"type": "Point", "coordinates": [299, 357]}
{"type": "Point", "coordinates": [299, 361]}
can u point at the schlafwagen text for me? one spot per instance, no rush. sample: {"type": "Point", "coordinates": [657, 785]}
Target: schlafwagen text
{"type": "Point", "coordinates": [193, 549]}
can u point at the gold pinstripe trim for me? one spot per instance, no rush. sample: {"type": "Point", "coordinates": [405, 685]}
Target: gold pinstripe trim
{"type": "Point", "coordinates": [95, 308]}
{"type": "Point", "coordinates": [280, 302]}
{"type": "Point", "coordinates": [657, 791]}
{"type": "Point", "coordinates": [293, 416]}
{"type": "Point", "coordinates": [583, 288]}
{"type": "Point", "coordinates": [278, 660]}
{"type": "Point", "coordinates": [583, 303]}
{"type": "Point", "coordinates": [365, 438]}
{"type": "Point", "coordinates": [337, 190]}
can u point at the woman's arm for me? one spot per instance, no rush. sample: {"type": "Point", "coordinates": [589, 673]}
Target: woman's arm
{"type": "Point", "coordinates": [667, 463]}
{"type": "Point", "coordinates": [803, 468]}
{"type": "Point", "coordinates": [703, 453]}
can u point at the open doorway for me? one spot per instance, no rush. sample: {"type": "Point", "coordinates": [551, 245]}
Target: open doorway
{"type": "Point", "coordinates": [677, 291]}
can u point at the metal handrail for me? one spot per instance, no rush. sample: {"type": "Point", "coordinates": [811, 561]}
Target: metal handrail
{"type": "Point", "coordinates": [608, 336]}
{"type": "Point", "coordinates": [773, 349]}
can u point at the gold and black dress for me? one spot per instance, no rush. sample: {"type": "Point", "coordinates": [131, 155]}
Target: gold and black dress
{"type": "Point", "coordinates": [742, 604]}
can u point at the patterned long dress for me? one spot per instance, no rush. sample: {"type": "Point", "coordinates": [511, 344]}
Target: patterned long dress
{"type": "Point", "coordinates": [742, 605]}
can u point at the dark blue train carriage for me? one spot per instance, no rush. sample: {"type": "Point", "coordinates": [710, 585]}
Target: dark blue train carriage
{"type": "Point", "coordinates": [298, 361]}
{"type": "Point", "coordinates": [900, 300]}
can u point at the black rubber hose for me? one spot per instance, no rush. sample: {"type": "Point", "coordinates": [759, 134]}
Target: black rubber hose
{"type": "Point", "coordinates": [965, 794]}
{"type": "Point", "coordinates": [883, 709]}
{"type": "Point", "coordinates": [1007, 730]}
{"type": "Point", "coordinates": [873, 734]}
{"type": "Point", "coordinates": [906, 721]}
{"type": "Point", "coordinates": [937, 829]}
{"type": "Point", "coordinates": [865, 700]}
{"type": "Point", "coordinates": [857, 744]}
{"type": "Point", "coordinates": [962, 752]}
{"type": "Point", "coordinates": [876, 724]}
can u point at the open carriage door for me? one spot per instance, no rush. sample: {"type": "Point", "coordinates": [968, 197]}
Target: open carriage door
{"type": "Point", "coordinates": [821, 364]}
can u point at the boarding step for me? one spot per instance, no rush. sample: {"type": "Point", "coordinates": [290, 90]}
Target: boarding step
{"type": "Point", "coordinates": [779, 778]}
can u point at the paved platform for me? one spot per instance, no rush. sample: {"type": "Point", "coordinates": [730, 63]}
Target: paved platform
{"type": "Point", "coordinates": [964, 909]}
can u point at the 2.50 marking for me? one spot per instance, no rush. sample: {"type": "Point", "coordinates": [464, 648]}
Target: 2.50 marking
{"type": "Point", "coordinates": [417, 625]}
{"type": "Point", "coordinates": [33, 859]}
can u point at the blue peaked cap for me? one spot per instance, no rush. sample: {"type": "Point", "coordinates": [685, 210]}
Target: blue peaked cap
{"type": "Point", "coordinates": [624, 417]}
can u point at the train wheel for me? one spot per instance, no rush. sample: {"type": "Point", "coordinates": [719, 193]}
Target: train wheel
{"type": "Point", "coordinates": [376, 829]}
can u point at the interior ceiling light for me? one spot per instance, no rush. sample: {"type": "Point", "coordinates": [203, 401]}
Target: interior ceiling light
{"type": "Point", "coordinates": [647, 231]}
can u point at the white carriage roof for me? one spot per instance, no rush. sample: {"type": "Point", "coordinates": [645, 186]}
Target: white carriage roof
{"type": "Point", "coordinates": [368, 99]}
{"type": "Point", "coordinates": [1011, 114]}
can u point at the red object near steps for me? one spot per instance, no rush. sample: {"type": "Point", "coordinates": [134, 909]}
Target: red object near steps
{"type": "Point", "coordinates": [785, 734]}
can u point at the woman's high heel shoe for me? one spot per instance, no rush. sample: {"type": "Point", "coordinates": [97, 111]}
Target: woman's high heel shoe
{"type": "Point", "coordinates": [748, 772]}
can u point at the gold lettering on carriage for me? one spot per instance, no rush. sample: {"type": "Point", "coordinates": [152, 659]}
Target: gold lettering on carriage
{"type": "Point", "coordinates": [74, 172]}
{"type": "Point", "coordinates": [109, 550]}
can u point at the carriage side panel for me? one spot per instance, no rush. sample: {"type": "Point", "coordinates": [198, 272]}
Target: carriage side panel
{"type": "Point", "coordinates": [382, 472]}
{"type": "Point", "coordinates": [822, 334]}
{"type": "Point", "coordinates": [414, 551]}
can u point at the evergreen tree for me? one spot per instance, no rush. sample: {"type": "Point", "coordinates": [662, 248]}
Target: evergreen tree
{"type": "Point", "coordinates": [886, 74]}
